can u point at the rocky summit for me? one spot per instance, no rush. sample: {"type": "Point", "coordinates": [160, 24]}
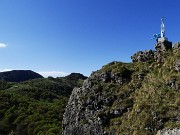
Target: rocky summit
{"type": "Point", "coordinates": [156, 55]}
{"type": "Point", "coordinates": [139, 98]}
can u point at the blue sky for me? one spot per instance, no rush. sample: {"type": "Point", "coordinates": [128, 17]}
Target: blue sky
{"type": "Point", "coordinates": [55, 37]}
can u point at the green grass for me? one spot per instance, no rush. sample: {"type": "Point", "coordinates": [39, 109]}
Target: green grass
{"type": "Point", "coordinates": [148, 102]}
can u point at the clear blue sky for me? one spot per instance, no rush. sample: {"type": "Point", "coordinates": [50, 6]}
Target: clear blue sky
{"type": "Point", "coordinates": [80, 35]}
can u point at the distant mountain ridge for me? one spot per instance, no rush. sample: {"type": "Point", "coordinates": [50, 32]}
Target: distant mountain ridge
{"type": "Point", "coordinates": [76, 76]}
{"type": "Point", "coordinates": [19, 75]}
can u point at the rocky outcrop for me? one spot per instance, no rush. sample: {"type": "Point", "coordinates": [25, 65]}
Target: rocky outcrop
{"type": "Point", "coordinates": [80, 116]}
{"type": "Point", "coordinates": [143, 56]}
{"type": "Point", "coordinates": [163, 46]}
{"type": "Point", "coordinates": [175, 131]}
{"type": "Point", "coordinates": [176, 45]}
{"type": "Point", "coordinates": [156, 55]}
{"type": "Point", "coordinates": [85, 113]}
{"type": "Point", "coordinates": [128, 98]}
{"type": "Point", "coordinates": [177, 65]}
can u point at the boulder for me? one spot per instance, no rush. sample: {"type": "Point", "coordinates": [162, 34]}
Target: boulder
{"type": "Point", "coordinates": [172, 83]}
{"type": "Point", "coordinates": [163, 46]}
{"type": "Point", "coordinates": [176, 45]}
{"type": "Point", "coordinates": [158, 56]}
{"type": "Point", "coordinates": [177, 65]}
{"type": "Point", "coordinates": [143, 56]}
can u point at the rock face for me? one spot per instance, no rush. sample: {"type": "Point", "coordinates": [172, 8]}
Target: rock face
{"type": "Point", "coordinates": [143, 56]}
{"type": "Point", "coordinates": [19, 75]}
{"type": "Point", "coordinates": [156, 55]}
{"type": "Point", "coordinates": [163, 46]}
{"type": "Point", "coordinates": [78, 116]}
{"type": "Point", "coordinates": [85, 110]}
{"type": "Point", "coordinates": [139, 98]}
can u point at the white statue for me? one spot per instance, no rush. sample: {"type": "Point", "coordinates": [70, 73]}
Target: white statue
{"type": "Point", "coordinates": [162, 27]}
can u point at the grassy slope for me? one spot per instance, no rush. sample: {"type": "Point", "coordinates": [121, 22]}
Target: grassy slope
{"type": "Point", "coordinates": [151, 104]}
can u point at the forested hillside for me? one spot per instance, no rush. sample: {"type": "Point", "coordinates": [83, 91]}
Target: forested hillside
{"type": "Point", "coordinates": [19, 75]}
{"type": "Point", "coordinates": [35, 106]}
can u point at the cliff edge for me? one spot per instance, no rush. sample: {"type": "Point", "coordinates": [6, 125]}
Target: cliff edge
{"type": "Point", "coordinates": [139, 98]}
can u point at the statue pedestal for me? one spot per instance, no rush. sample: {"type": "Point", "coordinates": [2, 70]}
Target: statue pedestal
{"type": "Point", "coordinates": [162, 39]}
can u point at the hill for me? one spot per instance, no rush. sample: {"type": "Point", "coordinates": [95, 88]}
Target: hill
{"type": "Point", "coordinates": [35, 106]}
{"type": "Point", "coordinates": [139, 98]}
{"type": "Point", "coordinates": [19, 75]}
{"type": "Point", "coordinates": [75, 76]}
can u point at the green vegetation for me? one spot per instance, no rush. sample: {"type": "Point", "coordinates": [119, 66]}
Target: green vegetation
{"type": "Point", "coordinates": [19, 75]}
{"type": "Point", "coordinates": [34, 107]}
{"type": "Point", "coordinates": [131, 98]}
{"type": "Point", "coordinates": [148, 100]}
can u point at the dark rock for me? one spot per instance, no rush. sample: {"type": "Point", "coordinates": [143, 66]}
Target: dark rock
{"type": "Point", "coordinates": [153, 55]}
{"type": "Point", "coordinates": [175, 119]}
{"type": "Point", "coordinates": [158, 56]}
{"type": "Point", "coordinates": [143, 56]}
{"type": "Point", "coordinates": [163, 46]}
{"type": "Point", "coordinates": [117, 77]}
{"type": "Point", "coordinates": [172, 83]}
{"type": "Point", "coordinates": [105, 77]}
{"type": "Point", "coordinates": [141, 76]}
